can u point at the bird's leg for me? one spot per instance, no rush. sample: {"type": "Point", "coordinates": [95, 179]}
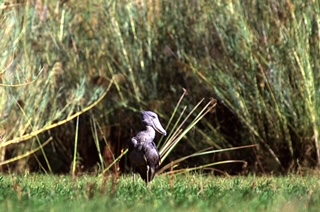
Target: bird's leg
{"type": "Point", "coordinates": [148, 175]}
{"type": "Point", "coordinates": [134, 178]}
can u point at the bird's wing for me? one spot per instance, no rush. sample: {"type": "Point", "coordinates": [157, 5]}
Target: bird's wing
{"type": "Point", "coordinates": [152, 159]}
{"type": "Point", "coordinates": [151, 154]}
{"type": "Point", "coordinates": [134, 142]}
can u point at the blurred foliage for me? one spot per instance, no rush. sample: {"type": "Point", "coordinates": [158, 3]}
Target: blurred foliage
{"type": "Point", "coordinates": [259, 59]}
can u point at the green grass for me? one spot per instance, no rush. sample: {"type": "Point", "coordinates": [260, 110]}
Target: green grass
{"type": "Point", "coordinates": [166, 193]}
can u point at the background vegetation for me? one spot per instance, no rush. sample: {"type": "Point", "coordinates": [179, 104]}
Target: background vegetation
{"type": "Point", "coordinates": [107, 60]}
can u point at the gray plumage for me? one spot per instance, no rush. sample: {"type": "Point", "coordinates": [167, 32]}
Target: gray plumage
{"type": "Point", "coordinates": [144, 155]}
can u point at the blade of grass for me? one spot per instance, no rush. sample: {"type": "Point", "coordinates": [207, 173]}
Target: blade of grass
{"type": "Point", "coordinates": [307, 76]}
{"type": "Point", "coordinates": [171, 143]}
{"type": "Point", "coordinates": [115, 161]}
{"type": "Point", "coordinates": [201, 153]}
{"type": "Point", "coordinates": [96, 139]}
{"type": "Point", "coordinates": [173, 114]}
{"type": "Point", "coordinates": [75, 150]}
{"type": "Point", "coordinates": [51, 126]}
{"type": "Point", "coordinates": [27, 154]}
{"type": "Point", "coordinates": [181, 171]}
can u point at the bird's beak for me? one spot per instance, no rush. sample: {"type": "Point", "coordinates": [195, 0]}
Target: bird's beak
{"type": "Point", "coordinates": [158, 127]}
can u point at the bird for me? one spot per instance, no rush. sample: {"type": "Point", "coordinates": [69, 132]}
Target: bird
{"type": "Point", "coordinates": [144, 155]}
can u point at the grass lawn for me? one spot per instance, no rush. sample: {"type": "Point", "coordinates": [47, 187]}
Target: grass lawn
{"type": "Point", "coordinates": [166, 193]}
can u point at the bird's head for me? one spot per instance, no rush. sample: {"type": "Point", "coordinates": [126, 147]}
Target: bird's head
{"type": "Point", "coordinates": [151, 119]}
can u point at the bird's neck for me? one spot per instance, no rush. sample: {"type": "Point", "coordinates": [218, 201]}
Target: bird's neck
{"type": "Point", "coordinates": [150, 132]}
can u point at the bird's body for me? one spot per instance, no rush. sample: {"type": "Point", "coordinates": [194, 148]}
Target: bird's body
{"type": "Point", "coordinates": [144, 155]}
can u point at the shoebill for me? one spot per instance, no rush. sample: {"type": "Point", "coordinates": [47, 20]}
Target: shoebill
{"type": "Point", "coordinates": [144, 155]}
